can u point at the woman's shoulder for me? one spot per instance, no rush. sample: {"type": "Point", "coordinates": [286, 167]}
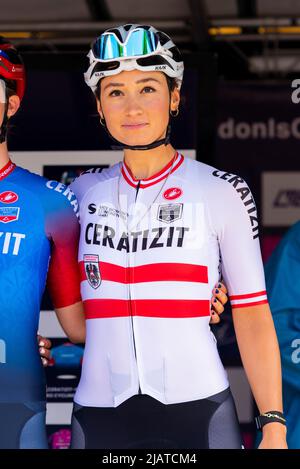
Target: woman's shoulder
{"type": "Point", "coordinates": [218, 187]}
{"type": "Point", "coordinates": [91, 177]}
{"type": "Point", "coordinates": [213, 177]}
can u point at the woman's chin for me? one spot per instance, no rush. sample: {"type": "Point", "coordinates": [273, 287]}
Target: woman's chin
{"type": "Point", "coordinates": [136, 139]}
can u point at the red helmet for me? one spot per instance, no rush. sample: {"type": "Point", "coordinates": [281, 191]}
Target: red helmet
{"type": "Point", "coordinates": [11, 66]}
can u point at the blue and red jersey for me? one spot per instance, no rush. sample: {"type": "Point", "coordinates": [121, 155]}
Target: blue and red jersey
{"type": "Point", "coordinates": [39, 233]}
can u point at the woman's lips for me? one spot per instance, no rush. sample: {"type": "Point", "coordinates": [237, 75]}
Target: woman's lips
{"type": "Point", "coordinates": [134, 126]}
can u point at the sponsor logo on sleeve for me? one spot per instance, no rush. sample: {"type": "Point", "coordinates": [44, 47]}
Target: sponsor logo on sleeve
{"type": "Point", "coordinates": [66, 192]}
{"type": "Point", "coordinates": [94, 170]}
{"type": "Point", "coordinates": [244, 193]}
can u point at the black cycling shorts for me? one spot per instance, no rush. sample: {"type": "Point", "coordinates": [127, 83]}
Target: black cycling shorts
{"type": "Point", "coordinates": [144, 422]}
{"type": "Point", "coordinates": [23, 426]}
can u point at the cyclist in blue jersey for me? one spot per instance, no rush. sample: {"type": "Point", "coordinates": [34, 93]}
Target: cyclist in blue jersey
{"type": "Point", "coordinates": [283, 286]}
{"type": "Point", "coordinates": [38, 234]}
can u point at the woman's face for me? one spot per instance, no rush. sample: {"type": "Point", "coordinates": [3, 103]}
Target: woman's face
{"type": "Point", "coordinates": [136, 106]}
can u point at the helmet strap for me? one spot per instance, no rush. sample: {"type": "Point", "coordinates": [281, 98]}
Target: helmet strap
{"type": "Point", "coordinates": [164, 141]}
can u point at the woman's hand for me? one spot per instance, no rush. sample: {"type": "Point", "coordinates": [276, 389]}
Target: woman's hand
{"type": "Point", "coordinates": [274, 436]}
{"type": "Point", "coordinates": [219, 299]}
{"type": "Point", "coordinates": [44, 349]}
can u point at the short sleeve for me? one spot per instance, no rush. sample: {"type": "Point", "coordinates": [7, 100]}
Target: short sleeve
{"type": "Point", "coordinates": [62, 228]}
{"type": "Point", "coordinates": [236, 223]}
{"type": "Point", "coordinates": [83, 183]}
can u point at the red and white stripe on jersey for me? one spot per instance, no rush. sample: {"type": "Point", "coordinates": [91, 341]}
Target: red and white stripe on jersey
{"type": "Point", "coordinates": [250, 299]}
{"type": "Point", "coordinates": [157, 308]}
{"type": "Point", "coordinates": [163, 271]}
{"type": "Point", "coordinates": [159, 176]}
{"type": "Point", "coordinates": [153, 283]}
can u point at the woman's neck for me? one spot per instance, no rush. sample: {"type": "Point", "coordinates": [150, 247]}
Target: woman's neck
{"type": "Point", "coordinates": [143, 164]}
{"type": "Point", "coordinates": [4, 156]}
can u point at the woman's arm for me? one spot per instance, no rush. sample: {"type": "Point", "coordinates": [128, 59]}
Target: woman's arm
{"type": "Point", "coordinates": [72, 320]}
{"type": "Point", "coordinates": [63, 279]}
{"type": "Point", "coordinates": [258, 345]}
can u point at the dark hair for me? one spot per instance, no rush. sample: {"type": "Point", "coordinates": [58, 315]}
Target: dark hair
{"type": "Point", "coordinates": [10, 88]}
{"type": "Point", "coordinates": [172, 84]}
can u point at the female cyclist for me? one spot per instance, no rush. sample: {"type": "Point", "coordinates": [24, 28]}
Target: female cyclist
{"type": "Point", "coordinates": [157, 231]}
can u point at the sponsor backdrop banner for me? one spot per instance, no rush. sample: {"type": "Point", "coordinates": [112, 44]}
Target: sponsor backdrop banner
{"type": "Point", "coordinates": [258, 137]}
{"type": "Point", "coordinates": [258, 127]}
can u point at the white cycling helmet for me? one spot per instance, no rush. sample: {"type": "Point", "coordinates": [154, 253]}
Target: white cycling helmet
{"type": "Point", "coordinates": [133, 47]}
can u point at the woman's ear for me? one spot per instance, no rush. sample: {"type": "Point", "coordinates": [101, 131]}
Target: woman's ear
{"type": "Point", "coordinates": [99, 109]}
{"type": "Point", "coordinates": [13, 105]}
{"type": "Point", "coordinates": [175, 99]}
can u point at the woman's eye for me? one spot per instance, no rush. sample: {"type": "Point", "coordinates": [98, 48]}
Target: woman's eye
{"type": "Point", "coordinates": [115, 93]}
{"type": "Point", "coordinates": [148, 89]}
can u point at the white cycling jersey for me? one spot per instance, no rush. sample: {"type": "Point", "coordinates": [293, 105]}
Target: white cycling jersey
{"type": "Point", "coordinates": [150, 254]}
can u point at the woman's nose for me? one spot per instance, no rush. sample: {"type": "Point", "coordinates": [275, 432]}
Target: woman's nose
{"type": "Point", "coordinates": [133, 107]}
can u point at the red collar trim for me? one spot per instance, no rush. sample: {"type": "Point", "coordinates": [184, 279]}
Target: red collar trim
{"type": "Point", "coordinates": [7, 169]}
{"type": "Point", "coordinates": [157, 177]}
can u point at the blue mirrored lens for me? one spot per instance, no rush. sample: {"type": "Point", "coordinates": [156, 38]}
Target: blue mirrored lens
{"type": "Point", "coordinates": [110, 48]}
{"type": "Point", "coordinates": [140, 42]}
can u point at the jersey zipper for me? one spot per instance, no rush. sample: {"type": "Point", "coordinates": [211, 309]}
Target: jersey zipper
{"type": "Point", "coordinates": [133, 338]}
{"type": "Point", "coordinates": [137, 190]}
{"type": "Point", "coordinates": [131, 316]}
